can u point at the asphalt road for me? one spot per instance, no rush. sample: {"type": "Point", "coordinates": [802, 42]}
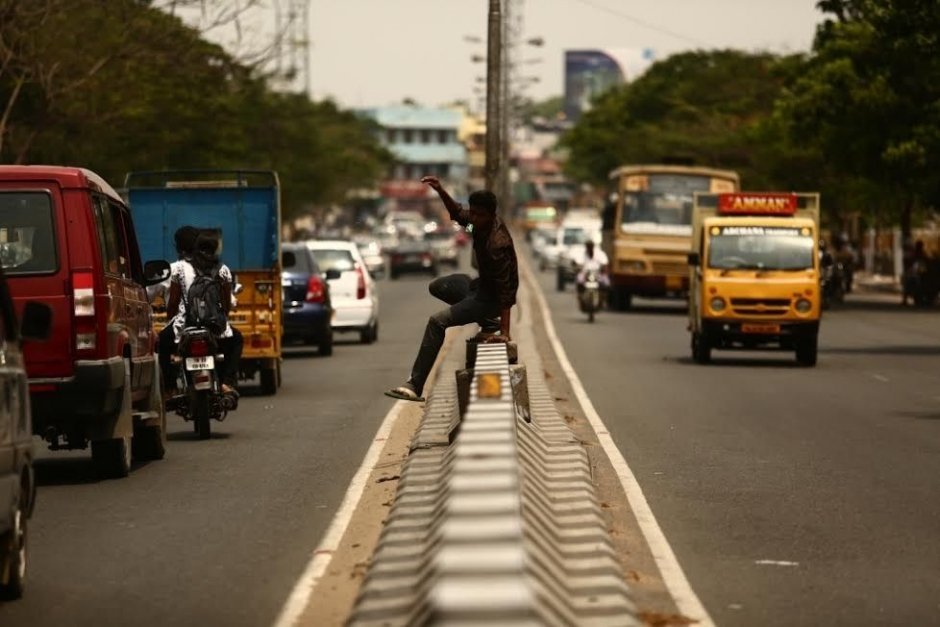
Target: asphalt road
{"type": "Point", "coordinates": [791, 496]}
{"type": "Point", "coordinates": [219, 531]}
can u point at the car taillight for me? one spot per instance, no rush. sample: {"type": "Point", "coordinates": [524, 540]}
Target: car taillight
{"type": "Point", "coordinates": [198, 348]}
{"type": "Point", "coordinates": [83, 294]}
{"type": "Point", "coordinates": [426, 256]}
{"type": "Point", "coordinates": [361, 284]}
{"type": "Point", "coordinates": [316, 291]}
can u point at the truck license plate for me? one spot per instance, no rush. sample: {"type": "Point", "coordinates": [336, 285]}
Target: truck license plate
{"type": "Point", "coordinates": [200, 363]}
{"type": "Point", "coordinates": [769, 329]}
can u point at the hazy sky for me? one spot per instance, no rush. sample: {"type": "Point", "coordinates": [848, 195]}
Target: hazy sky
{"type": "Point", "coordinates": [377, 52]}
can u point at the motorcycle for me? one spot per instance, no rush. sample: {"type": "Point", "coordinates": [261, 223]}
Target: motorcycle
{"type": "Point", "coordinates": [921, 283]}
{"type": "Point", "coordinates": [832, 282]}
{"type": "Point", "coordinates": [201, 399]}
{"type": "Point", "coordinates": [589, 295]}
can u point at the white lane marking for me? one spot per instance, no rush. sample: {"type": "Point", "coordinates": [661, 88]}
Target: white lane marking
{"type": "Point", "coordinates": [673, 576]}
{"type": "Point", "coordinates": [320, 560]}
{"type": "Point", "coordinates": [879, 377]}
{"type": "Point", "coordinates": [775, 563]}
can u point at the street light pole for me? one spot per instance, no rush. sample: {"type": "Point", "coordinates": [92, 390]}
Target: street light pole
{"type": "Point", "coordinates": [493, 84]}
{"type": "Point", "coordinates": [505, 200]}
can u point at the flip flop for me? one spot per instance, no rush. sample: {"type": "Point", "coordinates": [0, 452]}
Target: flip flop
{"type": "Point", "coordinates": [404, 394]}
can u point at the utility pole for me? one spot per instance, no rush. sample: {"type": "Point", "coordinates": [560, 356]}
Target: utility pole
{"type": "Point", "coordinates": [493, 83]}
{"type": "Point", "coordinates": [505, 87]}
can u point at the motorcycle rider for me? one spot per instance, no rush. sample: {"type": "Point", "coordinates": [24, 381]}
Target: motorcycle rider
{"type": "Point", "coordinates": [204, 259]}
{"type": "Point", "coordinates": [594, 261]}
{"type": "Point", "coordinates": [915, 270]}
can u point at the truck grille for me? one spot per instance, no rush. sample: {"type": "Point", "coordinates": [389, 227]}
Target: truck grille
{"type": "Point", "coordinates": [761, 306]}
{"type": "Point", "coordinates": [679, 267]}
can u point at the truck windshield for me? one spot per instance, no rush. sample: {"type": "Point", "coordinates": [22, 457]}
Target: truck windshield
{"type": "Point", "coordinates": [27, 239]}
{"type": "Point", "coordinates": [667, 199]}
{"type": "Point", "coordinates": [572, 236]}
{"type": "Point", "coordinates": [760, 248]}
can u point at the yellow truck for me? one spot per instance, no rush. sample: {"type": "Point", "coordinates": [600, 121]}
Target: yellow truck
{"type": "Point", "coordinates": [755, 274]}
{"type": "Point", "coordinates": [647, 229]}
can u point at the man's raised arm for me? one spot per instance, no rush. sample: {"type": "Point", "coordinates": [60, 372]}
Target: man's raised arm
{"type": "Point", "coordinates": [457, 213]}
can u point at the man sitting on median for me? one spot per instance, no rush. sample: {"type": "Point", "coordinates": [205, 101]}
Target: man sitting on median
{"type": "Point", "coordinates": [486, 300]}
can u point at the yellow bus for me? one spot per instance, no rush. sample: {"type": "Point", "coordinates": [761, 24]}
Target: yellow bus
{"type": "Point", "coordinates": [647, 228]}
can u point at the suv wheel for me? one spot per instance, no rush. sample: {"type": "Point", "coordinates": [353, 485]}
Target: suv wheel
{"type": "Point", "coordinates": [13, 555]}
{"type": "Point", "coordinates": [149, 443]}
{"type": "Point", "coordinates": [112, 458]}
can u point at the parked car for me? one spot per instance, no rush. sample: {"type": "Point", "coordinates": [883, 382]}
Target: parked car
{"type": "Point", "coordinates": [353, 293]}
{"type": "Point", "coordinates": [17, 480]}
{"type": "Point", "coordinates": [444, 245]}
{"type": "Point", "coordinates": [70, 243]}
{"type": "Point", "coordinates": [307, 309]}
{"type": "Point", "coordinates": [371, 252]}
{"type": "Point", "coordinates": [412, 256]}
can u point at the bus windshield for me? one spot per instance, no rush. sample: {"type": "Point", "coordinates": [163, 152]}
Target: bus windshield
{"type": "Point", "coordinates": [761, 248]}
{"type": "Point", "coordinates": [667, 199]}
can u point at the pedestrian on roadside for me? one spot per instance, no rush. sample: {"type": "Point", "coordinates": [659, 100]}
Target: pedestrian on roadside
{"type": "Point", "coordinates": [486, 300]}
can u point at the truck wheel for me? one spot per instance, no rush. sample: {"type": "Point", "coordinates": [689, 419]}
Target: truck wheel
{"type": "Point", "coordinates": [560, 281]}
{"type": "Point", "coordinates": [13, 555]}
{"type": "Point", "coordinates": [201, 421]}
{"type": "Point", "coordinates": [807, 351]}
{"type": "Point", "coordinates": [269, 382]}
{"type": "Point", "coordinates": [112, 458]}
{"type": "Point", "coordinates": [621, 300]}
{"type": "Point", "coordinates": [701, 349]}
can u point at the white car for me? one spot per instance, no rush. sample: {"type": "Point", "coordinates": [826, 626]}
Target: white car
{"type": "Point", "coordinates": [354, 295]}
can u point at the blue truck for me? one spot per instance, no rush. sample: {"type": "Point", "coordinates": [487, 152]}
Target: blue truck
{"type": "Point", "coordinates": [243, 208]}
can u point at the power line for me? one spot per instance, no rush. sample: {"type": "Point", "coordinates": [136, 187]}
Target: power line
{"type": "Point", "coordinates": [645, 24]}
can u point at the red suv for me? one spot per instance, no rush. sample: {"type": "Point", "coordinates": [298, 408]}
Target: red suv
{"type": "Point", "coordinates": [67, 240]}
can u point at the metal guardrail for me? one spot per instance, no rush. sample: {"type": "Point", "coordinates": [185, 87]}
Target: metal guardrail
{"type": "Point", "coordinates": [495, 520]}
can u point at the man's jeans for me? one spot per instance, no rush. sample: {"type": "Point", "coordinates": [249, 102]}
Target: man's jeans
{"type": "Point", "coordinates": [460, 292]}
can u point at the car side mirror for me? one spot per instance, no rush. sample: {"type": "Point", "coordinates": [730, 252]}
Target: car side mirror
{"type": "Point", "coordinates": [694, 259]}
{"type": "Point", "coordinates": [37, 322]}
{"type": "Point", "coordinates": [288, 259]}
{"type": "Point", "coordinates": [156, 271]}
{"type": "Point", "coordinates": [332, 274]}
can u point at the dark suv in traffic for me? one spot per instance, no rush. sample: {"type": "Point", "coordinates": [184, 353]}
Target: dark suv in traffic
{"type": "Point", "coordinates": [69, 242]}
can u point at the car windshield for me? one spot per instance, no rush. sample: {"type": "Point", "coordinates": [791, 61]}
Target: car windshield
{"type": "Point", "coordinates": [572, 236]}
{"type": "Point", "coordinates": [334, 259]}
{"type": "Point", "coordinates": [27, 239]}
{"type": "Point", "coordinates": [760, 248]}
{"type": "Point", "coordinates": [667, 199]}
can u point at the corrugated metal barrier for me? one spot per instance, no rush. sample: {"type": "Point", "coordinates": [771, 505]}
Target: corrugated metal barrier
{"type": "Point", "coordinates": [495, 521]}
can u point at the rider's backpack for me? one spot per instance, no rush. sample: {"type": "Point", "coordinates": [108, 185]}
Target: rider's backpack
{"type": "Point", "coordinates": [204, 307]}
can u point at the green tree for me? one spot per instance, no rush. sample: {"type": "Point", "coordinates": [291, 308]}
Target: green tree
{"type": "Point", "coordinates": [869, 102]}
{"type": "Point", "coordinates": [708, 107]}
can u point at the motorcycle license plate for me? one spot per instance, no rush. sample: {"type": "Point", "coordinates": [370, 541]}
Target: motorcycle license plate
{"type": "Point", "coordinates": [200, 363]}
{"type": "Point", "coordinates": [591, 286]}
{"type": "Point", "coordinates": [768, 329]}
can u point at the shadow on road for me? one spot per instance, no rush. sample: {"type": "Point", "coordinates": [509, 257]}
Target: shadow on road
{"type": "Point", "coordinates": [737, 362]}
{"type": "Point", "coordinates": [920, 415]}
{"type": "Point", "coordinates": [69, 471]}
{"type": "Point", "coordinates": [189, 436]}
{"type": "Point", "coordinates": [907, 351]}
{"type": "Point", "coordinates": [299, 352]}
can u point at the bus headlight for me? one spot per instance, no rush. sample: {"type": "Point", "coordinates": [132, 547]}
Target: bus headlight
{"type": "Point", "coordinates": [717, 304]}
{"type": "Point", "coordinates": [803, 306]}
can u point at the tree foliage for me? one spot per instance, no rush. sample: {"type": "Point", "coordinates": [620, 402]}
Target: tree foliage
{"type": "Point", "coordinates": [707, 107]}
{"type": "Point", "coordinates": [121, 85]}
{"type": "Point", "coordinates": [858, 118]}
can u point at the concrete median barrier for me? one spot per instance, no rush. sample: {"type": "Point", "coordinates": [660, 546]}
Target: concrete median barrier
{"type": "Point", "coordinates": [495, 520]}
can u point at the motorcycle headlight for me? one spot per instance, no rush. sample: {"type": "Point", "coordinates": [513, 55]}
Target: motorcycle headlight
{"type": "Point", "coordinates": [804, 306]}
{"type": "Point", "coordinates": [717, 304]}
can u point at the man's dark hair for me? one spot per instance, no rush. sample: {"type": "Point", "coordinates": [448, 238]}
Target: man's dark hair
{"type": "Point", "coordinates": [185, 238]}
{"type": "Point", "coordinates": [484, 199]}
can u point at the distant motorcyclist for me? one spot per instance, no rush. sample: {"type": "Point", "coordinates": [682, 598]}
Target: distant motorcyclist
{"type": "Point", "coordinates": [848, 257]}
{"type": "Point", "coordinates": [594, 261]}
{"type": "Point", "coordinates": [916, 266]}
{"type": "Point", "coordinates": [204, 260]}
